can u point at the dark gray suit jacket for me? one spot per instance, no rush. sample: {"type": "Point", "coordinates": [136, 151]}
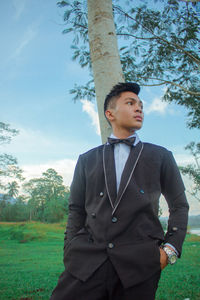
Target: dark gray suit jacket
{"type": "Point", "coordinates": [123, 226]}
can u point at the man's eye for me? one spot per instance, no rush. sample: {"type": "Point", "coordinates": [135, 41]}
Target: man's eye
{"type": "Point", "coordinates": [130, 103]}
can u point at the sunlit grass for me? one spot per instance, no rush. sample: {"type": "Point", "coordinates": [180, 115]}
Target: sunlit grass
{"type": "Point", "coordinates": [28, 231]}
{"type": "Point", "coordinates": [181, 281]}
{"type": "Point", "coordinates": [30, 268]}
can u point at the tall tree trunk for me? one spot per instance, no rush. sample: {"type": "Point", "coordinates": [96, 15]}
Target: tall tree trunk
{"type": "Point", "coordinates": [104, 54]}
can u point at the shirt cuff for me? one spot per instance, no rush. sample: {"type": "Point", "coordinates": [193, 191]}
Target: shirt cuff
{"type": "Point", "coordinates": [168, 244]}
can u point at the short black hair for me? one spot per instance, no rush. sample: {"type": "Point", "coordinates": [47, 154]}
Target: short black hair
{"type": "Point", "coordinates": [120, 88]}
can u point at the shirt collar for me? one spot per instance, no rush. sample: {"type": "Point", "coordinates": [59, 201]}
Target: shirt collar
{"type": "Point", "coordinates": [137, 139]}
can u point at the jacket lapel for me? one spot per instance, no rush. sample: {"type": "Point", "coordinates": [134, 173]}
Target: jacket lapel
{"type": "Point", "coordinates": [128, 171]}
{"type": "Point", "coordinates": [110, 173]}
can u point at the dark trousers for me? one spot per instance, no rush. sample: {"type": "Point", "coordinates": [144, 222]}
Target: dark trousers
{"type": "Point", "coordinates": [104, 284]}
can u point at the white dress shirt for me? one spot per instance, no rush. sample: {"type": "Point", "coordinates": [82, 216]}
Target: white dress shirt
{"type": "Point", "coordinates": [121, 153]}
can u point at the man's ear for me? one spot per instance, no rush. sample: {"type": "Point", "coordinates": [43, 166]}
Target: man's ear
{"type": "Point", "coordinates": [109, 115]}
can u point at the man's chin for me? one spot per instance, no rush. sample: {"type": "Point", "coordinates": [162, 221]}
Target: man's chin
{"type": "Point", "coordinates": [135, 128]}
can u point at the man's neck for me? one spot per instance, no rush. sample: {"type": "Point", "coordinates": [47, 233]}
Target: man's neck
{"type": "Point", "coordinates": [122, 134]}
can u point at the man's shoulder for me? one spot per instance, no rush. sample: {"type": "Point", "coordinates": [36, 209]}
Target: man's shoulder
{"type": "Point", "coordinates": [150, 146]}
{"type": "Point", "coordinates": [155, 150]}
{"type": "Point", "coordinates": [94, 151]}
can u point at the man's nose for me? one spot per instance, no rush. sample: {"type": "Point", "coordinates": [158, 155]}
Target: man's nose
{"type": "Point", "coordinates": [138, 108]}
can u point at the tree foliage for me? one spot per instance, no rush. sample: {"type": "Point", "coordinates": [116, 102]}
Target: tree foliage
{"type": "Point", "coordinates": [159, 46]}
{"type": "Point", "coordinates": [13, 189]}
{"type": "Point", "coordinates": [9, 169]}
{"type": "Point", "coordinates": [13, 211]}
{"type": "Point", "coordinates": [48, 197]}
{"type": "Point", "coordinates": [6, 133]}
{"type": "Point", "coordinates": [45, 199]}
{"type": "Point", "coordinates": [193, 170]}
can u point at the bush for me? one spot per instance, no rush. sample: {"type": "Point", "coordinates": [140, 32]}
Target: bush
{"type": "Point", "coordinates": [19, 233]}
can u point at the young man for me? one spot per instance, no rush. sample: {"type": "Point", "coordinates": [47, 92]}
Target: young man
{"type": "Point", "coordinates": [115, 247]}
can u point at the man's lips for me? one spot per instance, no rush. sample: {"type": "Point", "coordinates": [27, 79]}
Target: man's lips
{"type": "Point", "coordinates": [138, 118]}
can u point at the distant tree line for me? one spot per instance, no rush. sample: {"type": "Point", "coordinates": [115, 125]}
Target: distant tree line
{"type": "Point", "coordinates": [45, 199]}
{"type": "Point", "coordinates": [42, 199]}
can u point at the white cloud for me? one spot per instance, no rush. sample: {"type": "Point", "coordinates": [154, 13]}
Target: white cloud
{"type": "Point", "coordinates": [19, 6]}
{"type": "Point", "coordinates": [156, 106]}
{"type": "Point", "coordinates": [37, 147]}
{"type": "Point", "coordinates": [28, 36]}
{"type": "Point", "coordinates": [29, 141]}
{"type": "Point", "coordinates": [193, 202]}
{"type": "Point", "coordinates": [89, 108]}
{"type": "Point", "coordinates": [184, 159]}
{"type": "Point", "coordinates": [43, 152]}
{"type": "Point", "coordinates": [64, 167]}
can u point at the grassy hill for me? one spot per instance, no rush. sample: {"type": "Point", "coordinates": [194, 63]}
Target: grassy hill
{"type": "Point", "coordinates": [31, 261]}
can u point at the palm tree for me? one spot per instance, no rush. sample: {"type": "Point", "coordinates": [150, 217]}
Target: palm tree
{"type": "Point", "coordinates": [13, 189]}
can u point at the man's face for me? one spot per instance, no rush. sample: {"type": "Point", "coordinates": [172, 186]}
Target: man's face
{"type": "Point", "coordinates": [127, 113]}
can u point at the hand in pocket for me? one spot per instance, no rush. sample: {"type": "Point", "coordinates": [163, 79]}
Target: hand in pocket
{"type": "Point", "coordinates": [163, 259]}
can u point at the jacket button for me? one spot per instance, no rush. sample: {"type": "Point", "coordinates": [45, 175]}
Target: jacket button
{"type": "Point", "coordinates": [101, 194]}
{"type": "Point", "coordinates": [110, 245]}
{"type": "Point", "coordinates": [174, 228]}
{"type": "Point", "coordinates": [114, 219]}
{"type": "Point", "coordinates": [93, 215]}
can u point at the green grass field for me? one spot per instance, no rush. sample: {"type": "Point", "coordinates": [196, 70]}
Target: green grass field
{"type": "Point", "coordinates": [31, 261]}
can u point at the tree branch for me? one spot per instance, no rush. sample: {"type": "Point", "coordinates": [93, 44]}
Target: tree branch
{"type": "Point", "coordinates": [80, 25]}
{"type": "Point", "coordinates": [156, 84]}
{"type": "Point", "coordinates": [197, 61]}
{"type": "Point", "coordinates": [137, 37]}
{"type": "Point", "coordinates": [171, 82]}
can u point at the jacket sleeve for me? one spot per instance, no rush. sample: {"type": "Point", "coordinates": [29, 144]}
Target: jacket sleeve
{"type": "Point", "coordinates": [77, 213]}
{"type": "Point", "coordinates": [173, 189]}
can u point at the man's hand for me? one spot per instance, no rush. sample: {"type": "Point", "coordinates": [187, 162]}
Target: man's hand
{"type": "Point", "coordinates": [163, 259]}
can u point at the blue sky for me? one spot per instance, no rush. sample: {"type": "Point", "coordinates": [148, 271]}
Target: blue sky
{"type": "Point", "coordinates": [36, 74]}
